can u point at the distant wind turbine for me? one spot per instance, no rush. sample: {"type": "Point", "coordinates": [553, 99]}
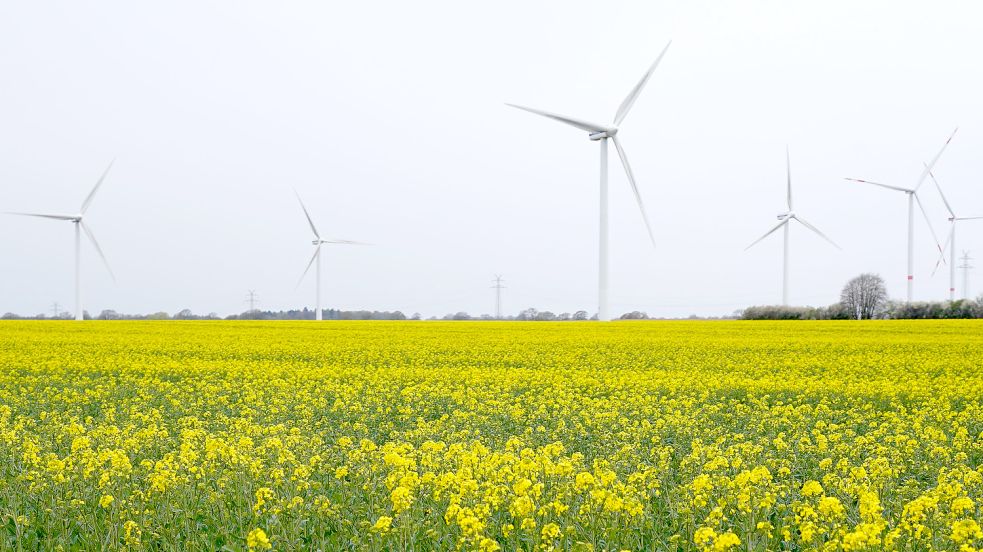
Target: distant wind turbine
{"type": "Point", "coordinates": [80, 226]}
{"type": "Point", "coordinates": [786, 219]}
{"type": "Point", "coordinates": [950, 241]}
{"type": "Point", "coordinates": [317, 256]}
{"type": "Point", "coordinates": [912, 199]}
{"type": "Point", "coordinates": [600, 133]}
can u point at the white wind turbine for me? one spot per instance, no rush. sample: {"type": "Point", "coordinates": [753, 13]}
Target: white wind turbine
{"type": "Point", "coordinates": [950, 241]}
{"type": "Point", "coordinates": [601, 133]}
{"type": "Point", "coordinates": [786, 219]}
{"type": "Point", "coordinates": [912, 199]}
{"type": "Point", "coordinates": [80, 226]}
{"type": "Point", "coordinates": [317, 256]}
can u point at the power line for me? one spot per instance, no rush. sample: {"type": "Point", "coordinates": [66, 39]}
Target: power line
{"type": "Point", "coordinates": [252, 300]}
{"type": "Point", "coordinates": [498, 287]}
{"type": "Point", "coordinates": [966, 267]}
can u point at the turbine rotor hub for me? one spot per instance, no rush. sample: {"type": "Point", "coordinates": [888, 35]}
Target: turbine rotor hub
{"type": "Point", "coordinates": [595, 136]}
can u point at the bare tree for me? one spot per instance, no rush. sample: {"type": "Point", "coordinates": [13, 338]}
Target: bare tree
{"type": "Point", "coordinates": [864, 295]}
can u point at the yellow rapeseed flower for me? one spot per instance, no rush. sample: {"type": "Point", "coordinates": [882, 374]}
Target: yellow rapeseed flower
{"type": "Point", "coordinates": [257, 540]}
{"type": "Point", "coordinates": [812, 488]}
{"type": "Point", "coordinates": [383, 524]}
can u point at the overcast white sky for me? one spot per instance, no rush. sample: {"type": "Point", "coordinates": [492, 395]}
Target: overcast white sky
{"type": "Point", "coordinates": [388, 118]}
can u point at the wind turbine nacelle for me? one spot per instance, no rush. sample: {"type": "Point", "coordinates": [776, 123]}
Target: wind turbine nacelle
{"type": "Point", "coordinates": [316, 242]}
{"type": "Point", "coordinates": [784, 216]}
{"type": "Point", "coordinates": [601, 135]}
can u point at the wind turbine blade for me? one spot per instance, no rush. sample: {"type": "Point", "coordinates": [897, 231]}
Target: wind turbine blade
{"type": "Point", "coordinates": [92, 194]}
{"type": "Point", "coordinates": [768, 233]}
{"type": "Point", "coordinates": [308, 215]}
{"type": "Point", "coordinates": [968, 218]}
{"type": "Point", "coordinates": [581, 124]}
{"type": "Point", "coordinates": [931, 165]}
{"type": "Point", "coordinates": [633, 95]}
{"type": "Point", "coordinates": [928, 222]}
{"type": "Point", "coordinates": [317, 251]}
{"type": "Point", "coordinates": [788, 172]}
{"type": "Point", "coordinates": [816, 230]}
{"type": "Point", "coordinates": [634, 186]}
{"type": "Point", "coordinates": [939, 188]}
{"type": "Point", "coordinates": [42, 215]}
{"type": "Point", "coordinates": [888, 186]}
{"type": "Point", "coordinates": [941, 260]}
{"type": "Point", "coordinates": [92, 238]}
{"type": "Point", "coordinates": [346, 242]}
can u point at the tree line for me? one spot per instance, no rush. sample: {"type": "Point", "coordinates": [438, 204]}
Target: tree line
{"type": "Point", "coordinates": [186, 314]}
{"type": "Point", "coordinates": [530, 314]}
{"type": "Point", "coordinates": [864, 298]}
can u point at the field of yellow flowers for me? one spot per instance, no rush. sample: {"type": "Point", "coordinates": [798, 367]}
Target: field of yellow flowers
{"type": "Point", "coordinates": [682, 436]}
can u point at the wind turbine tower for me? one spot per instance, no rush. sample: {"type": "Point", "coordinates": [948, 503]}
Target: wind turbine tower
{"type": "Point", "coordinates": [80, 227]}
{"type": "Point", "coordinates": [950, 241]}
{"type": "Point", "coordinates": [318, 242]}
{"type": "Point", "coordinates": [912, 194]}
{"type": "Point", "coordinates": [601, 133]}
{"type": "Point", "coordinates": [786, 219]}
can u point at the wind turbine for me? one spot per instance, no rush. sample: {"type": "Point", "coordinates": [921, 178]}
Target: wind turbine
{"type": "Point", "coordinates": [912, 199]}
{"type": "Point", "coordinates": [601, 133]}
{"type": "Point", "coordinates": [786, 219]}
{"type": "Point", "coordinates": [950, 241]}
{"type": "Point", "coordinates": [80, 226]}
{"type": "Point", "coordinates": [317, 256]}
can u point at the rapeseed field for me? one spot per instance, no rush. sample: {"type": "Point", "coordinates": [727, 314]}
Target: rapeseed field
{"type": "Point", "coordinates": [682, 436]}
